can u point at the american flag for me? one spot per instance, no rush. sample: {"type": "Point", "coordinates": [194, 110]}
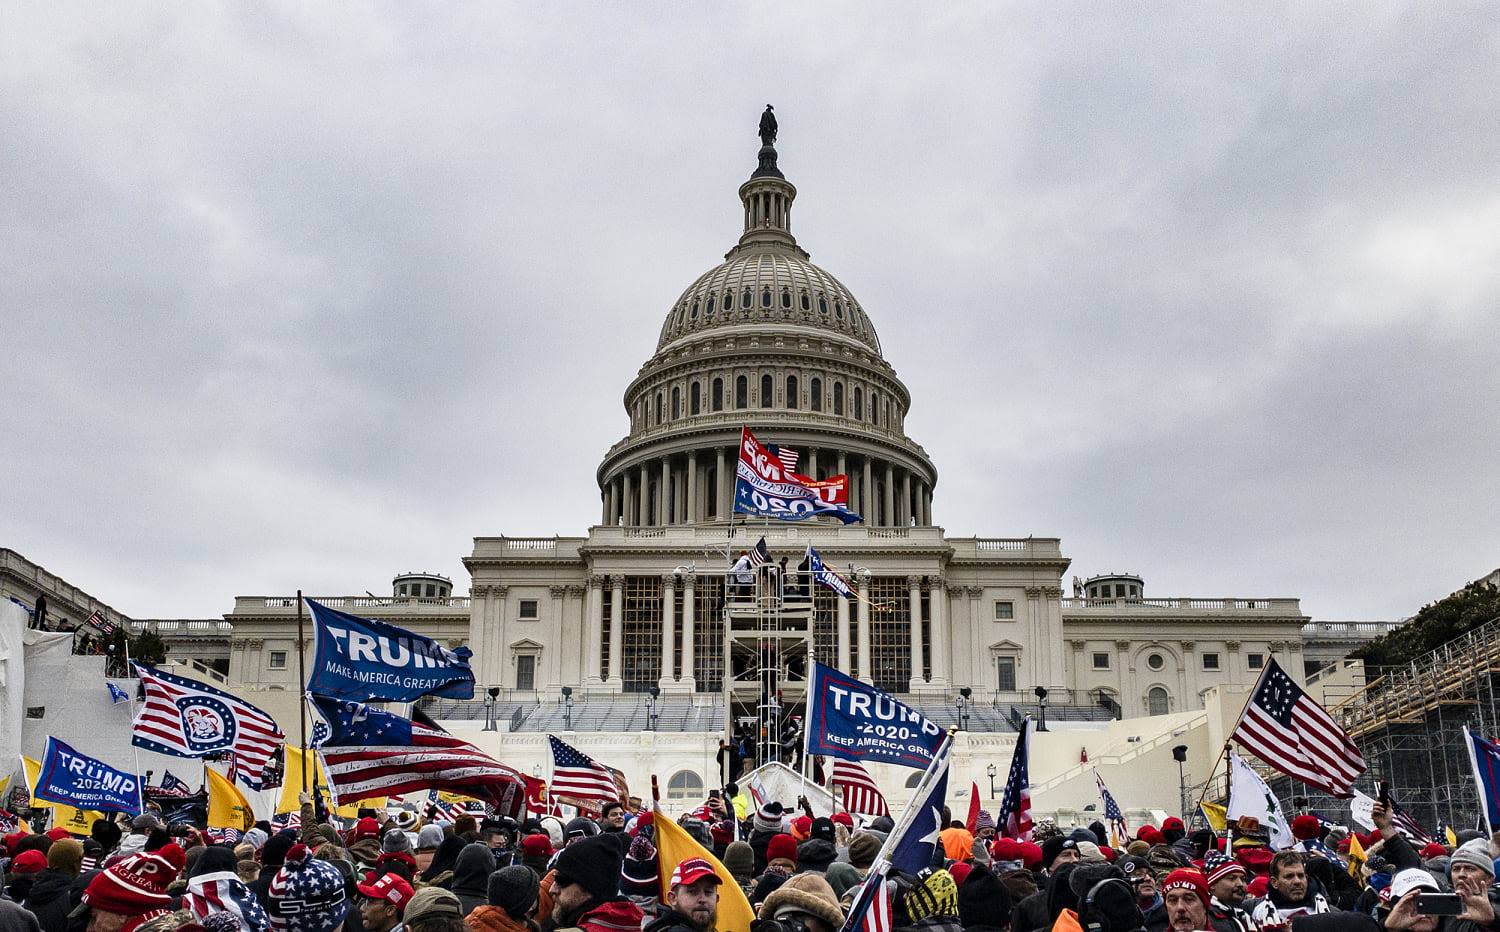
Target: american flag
{"type": "Point", "coordinates": [1014, 818]}
{"type": "Point", "coordinates": [286, 820]}
{"type": "Point", "coordinates": [171, 785]}
{"type": "Point", "coordinates": [759, 556]}
{"type": "Point", "coordinates": [788, 457]}
{"type": "Point", "coordinates": [871, 909]}
{"type": "Point", "coordinates": [98, 620]}
{"type": "Point", "coordinates": [1285, 728]}
{"type": "Point", "coordinates": [439, 811]}
{"type": "Point", "coordinates": [220, 836]}
{"type": "Point", "coordinates": [1112, 814]}
{"type": "Point", "coordinates": [190, 719]}
{"type": "Point", "coordinates": [576, 774]}
{"type": "Point", "coordinates": [372, 752]}
{"type": "Point", "coordinates": [860, 792]}
{"type": "Point", "coordinates": [1406, 825]}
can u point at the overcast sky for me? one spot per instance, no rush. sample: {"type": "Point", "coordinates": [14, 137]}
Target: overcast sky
{"type": "Point", "coordinates": [306, 295]}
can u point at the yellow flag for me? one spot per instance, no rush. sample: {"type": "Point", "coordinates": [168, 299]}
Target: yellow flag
{"type": "Point", "coordinates": [1217, 816]}
{"type": "Point", "coordinates": [1356, 856]}
{"type": "Point", "coordinates": [292, 786]}
{"type": "Point", "coordinates": [227, 806]}
{"type": "Point", "coordinates": [1452, 838]}
{"type": "Point", "coordinates": [674, 845]}
{"type": "Point", "coordinates": [77, 821]}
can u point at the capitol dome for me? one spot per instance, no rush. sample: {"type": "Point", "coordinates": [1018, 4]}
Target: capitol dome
{"type": "Point", "coordinates": [766, 339]}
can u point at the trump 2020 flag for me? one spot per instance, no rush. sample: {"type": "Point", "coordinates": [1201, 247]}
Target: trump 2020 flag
{"type": "Point", "coordinates": [116, 694]}
{"type": "Point", "coordinates": [764, 485]}
{"type": "Point", "coordinates": [846, 718]}
{"type": "Point", "coordinates": [72, 779]}
{"type": "Point", "coordinates": [1485, 758]}
{"type": "Point", "coordinates": [826, 577]}
{"type": "Point", "coordinates": [362, 659]}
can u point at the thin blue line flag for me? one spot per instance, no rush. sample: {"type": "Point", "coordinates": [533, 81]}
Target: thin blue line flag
{"type": "Point", "coordinates": [363, 659]}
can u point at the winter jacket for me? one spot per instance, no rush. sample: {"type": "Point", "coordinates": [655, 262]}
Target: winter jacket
{"type": "Point", "coordinates": [13, 918]}
{"type": "Point", "coordinates": [1277, 910]}
{"type": "Point", "coordinates": [670, 920]}
{"type": "Point", "coordinates": [613, 916]}
{"type": "Point", "coordinates": [51, 900]}
{"type": "Point", "coordinates": [488, 918]}
{"type": "Point", "coordinates": [471, 876]}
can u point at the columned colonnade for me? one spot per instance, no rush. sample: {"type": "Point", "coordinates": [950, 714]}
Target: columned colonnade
{"type": "Point", "coordinates": [700, 487]}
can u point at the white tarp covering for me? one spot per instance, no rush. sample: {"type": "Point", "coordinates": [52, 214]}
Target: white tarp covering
{"type": "Point", "coordinates": [13, 619]}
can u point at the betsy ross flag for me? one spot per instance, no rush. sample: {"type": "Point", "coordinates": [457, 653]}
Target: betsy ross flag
{"type": "Point", "coordinates": [826, 577]}
{"type": "Point", "coordinates": [191, 719]}
{"type": "Point", "coordinates": [860, 792]}
{"type": "Point", "coordinates": [1113, 817]}
{"type": "Point", "coordinates": [576, 774]}
{"type": "Point", "coordinates": [759, 556]}
{"type": "Point", "coordinates": [1284, 727]}
{"type": "Point", "coordinates": [371, 752]}
{"type": "Point", "coordinates": [1014, 818]}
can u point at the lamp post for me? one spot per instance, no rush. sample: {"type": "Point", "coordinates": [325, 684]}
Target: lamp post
{"type": "Point", "coordinates": [1041, 702]}
{"type": "Point", "coordinates": [965, 695]}
{"type": "Point", "coordinates": [1179, 754]}
{"type": "Point", "coordinates": [651, 697]}
{"type": "Point", "coordinates": [990, 771]}
{"type": "Point", "coordinates": [489, 708]}
{"type": "Point", "coordinates": [567, 694]}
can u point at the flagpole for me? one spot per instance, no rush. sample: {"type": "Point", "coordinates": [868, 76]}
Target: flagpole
{"type": "Point", "coordinates": [1228, 775]}
{"type": "Point", "coordinates": [302, 673]}
{"type": "Point", "coordinates": [134, 748]}
{"type": "Point", "coordinates": [909, 814]}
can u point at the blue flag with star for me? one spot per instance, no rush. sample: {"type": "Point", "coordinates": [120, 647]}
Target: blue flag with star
{"type": "Point", "coordinates": [916, 838]}
{"type": "Point", "coordinates": [347, 723]}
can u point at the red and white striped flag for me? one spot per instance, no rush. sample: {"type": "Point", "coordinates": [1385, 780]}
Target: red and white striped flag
{"type": "Point", "coordinates": [860, 792]}
{"type": "Point", "coordinates": [191, 719]}
{"type": "Point", "coordinates": [787, 455]}
{"type": "Point", "coordinates": [98, 620]}
{"type": "Point", "coordinates": [1284, 727]}
{"type": "Point", "coordinates": [576, 774]}
{"type": "Point", "coordinates": [759, 555]}
{"type": "Point", "coordinates": [1014, 819]}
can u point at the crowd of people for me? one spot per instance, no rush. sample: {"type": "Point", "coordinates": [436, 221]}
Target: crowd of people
{"type": "Point", "coordinates": [393, 871]}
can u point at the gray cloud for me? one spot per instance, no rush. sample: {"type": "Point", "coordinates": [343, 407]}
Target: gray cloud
{"type": "Point", "coordinates": [307, 297]}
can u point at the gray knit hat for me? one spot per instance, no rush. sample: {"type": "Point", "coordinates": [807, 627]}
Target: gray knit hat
{"type": "Point", "coordinates": [1477, 853]}
{"type": "Point", "coordinates": [513, 889]}
{"type": "Point", "coordinates": [395, 842]}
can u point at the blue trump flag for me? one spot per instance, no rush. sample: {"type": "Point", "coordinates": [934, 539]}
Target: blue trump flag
{"type": "Point", "coordinates": [72, 779]}
{"type": "Point", "coordinates": [1485, 756]}
{"type": "Point", "coordinates": [846, 718]}
{"type": "Point", "coordinates": [361, 659]}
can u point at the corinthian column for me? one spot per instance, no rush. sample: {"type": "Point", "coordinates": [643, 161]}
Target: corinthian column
{"type": "Point", "coordinates": [668, 627]}
{"type": "Point", "coordinates": [616, 630]}
{"type": "Point", "coordinates": [914, 593]}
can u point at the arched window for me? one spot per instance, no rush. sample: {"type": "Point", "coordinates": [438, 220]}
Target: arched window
{"type": "Point", "coordinates": [791, 391]}
{"type": "Point", "coordinates": [718, 400]}
{"type": "Point", "coordinates": [745, 299]}
{"type": "Point", "coordinates": [742, 392]}
{"type": "Point", "coordinates": [786, 298]}
{"type": "Point", "coordinates": [708, 309]}
{"type": "Point", "coordinates": [658, 407]}
{"type": "Point", "coordinates": [806, 302]}
{"type": "Point", "coordinates": [1156, 701]}
{"type": "Point", "coordinates": [765, 298]}
{"type": "Point", "coordinates": [859, 403]}
{"type": "Point", "coordinates": [816, 390]}
{"type": "Point", "coordinates": [838, 398]}
{"type": "Point", "coordinates": [694, 314]}
{"type": "Point", "coordinates": [728, 301]}
{"type": "Point", "coordinates": [767, 391]}
{"type": "Point", "coordinates": [838, 309]}
{"type": "Point", "coordinates": [684, 784]}
{"type": "Point", "coordinates": [822, 305]}
{"type": "Point", "coordinates": [911, 782]}
{"type": "Point", "coordinates": [695, 398]}
{"type": "Point", "coordinates": [874, 407]}
{"type": "Point", "coordinates": [676, 402]}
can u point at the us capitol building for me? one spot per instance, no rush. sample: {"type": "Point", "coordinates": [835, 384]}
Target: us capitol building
{"type": "Point", "coordinates": [628, 636]}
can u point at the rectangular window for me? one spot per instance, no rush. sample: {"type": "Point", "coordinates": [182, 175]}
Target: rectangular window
{"type": "Point", "coordinates": [431, 590]}
{"type": "Point", "coordinates": [528, 609]}
{"type": "Point", "coordinates": [526, 672]}
{"type": "Point", "coordinates": [1256, 661]}
{"type": "Point", "coordinates": [1101, 661]}
{"type": "Point", "coordinates": [36, 711]}
{"type": "Point", "coordinates": [1210, 661]}
{"type": "Point", "coordinates": [1007, 669]}
{"type": "Point", "coordinates": [1005, 611]}
{"type": "Point", "coordinates": [278, 660]}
